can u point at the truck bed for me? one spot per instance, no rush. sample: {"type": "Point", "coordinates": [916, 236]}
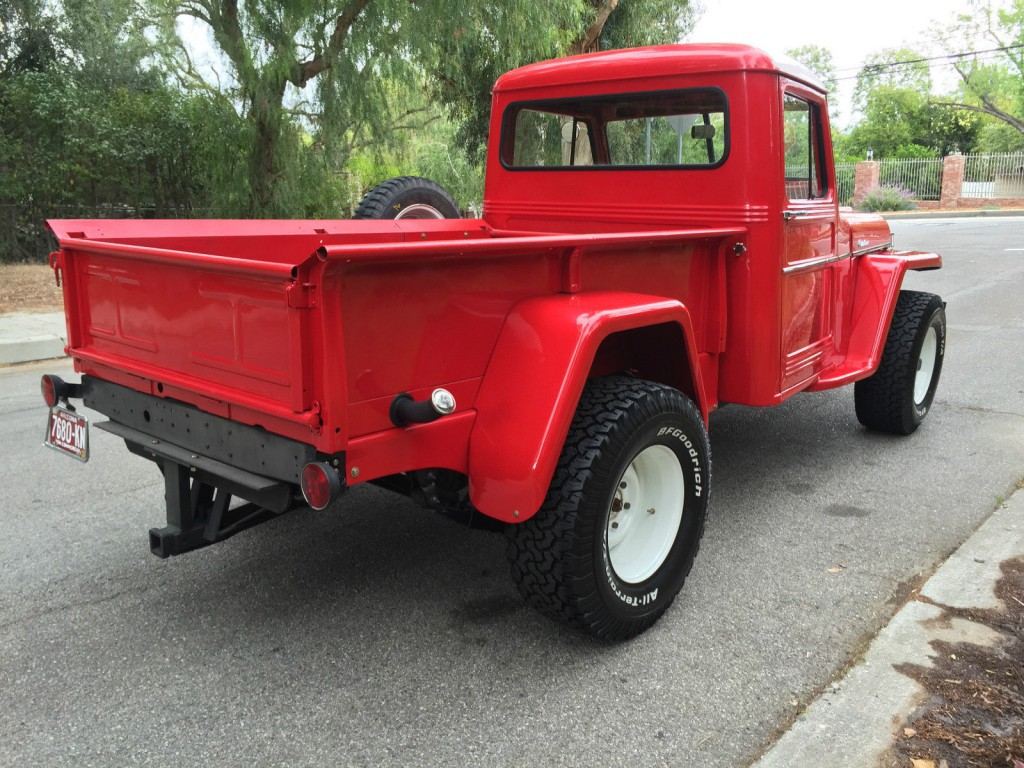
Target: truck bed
{"type": "Point", "coordinates": [292, 325]}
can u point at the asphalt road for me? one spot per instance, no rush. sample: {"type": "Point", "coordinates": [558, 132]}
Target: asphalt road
{"type": "Point", "coordinates": [379, 634]}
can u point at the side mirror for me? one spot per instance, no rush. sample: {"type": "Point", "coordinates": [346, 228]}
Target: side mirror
{"type": "Point", "coordinates": [702, 132]}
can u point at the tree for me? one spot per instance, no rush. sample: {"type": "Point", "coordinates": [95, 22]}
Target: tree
{"type": "Point", "coordinates": [30, 40]}
{"type": "Point", "coordinates": [901, 122]}
{"type": "Point", "coordinates": [991, 83]}
{"type": "Point", "coordinates": [89, 127]}
{"type": "Point", "coordinates": [339, 59]}
{"type": "Point", "coordinates": [818, 59]}
{"type": "Point", "coordinates": [894, 68]}
{"type": "Point", "coordinates": [343, 66]}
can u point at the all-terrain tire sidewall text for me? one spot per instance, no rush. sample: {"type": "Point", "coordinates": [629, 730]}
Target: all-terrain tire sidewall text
{"type": "Point", "coordinates": [688, 441]}
{"type": "Point", "coordinates": [560, 558]}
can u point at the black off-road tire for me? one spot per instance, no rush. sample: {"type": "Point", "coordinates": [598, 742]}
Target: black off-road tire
{"type": "Point", "coordinates": [885, 401]}
{"type": "Point", "coordinates": [559, 557]}
{"type": "Point", "coordinates": [389, 198]}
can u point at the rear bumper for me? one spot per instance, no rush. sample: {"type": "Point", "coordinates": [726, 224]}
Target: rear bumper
{"type": "Point", "coordinates": [206, 461]}
{"type": "Point", "coordinates": [142, 418]}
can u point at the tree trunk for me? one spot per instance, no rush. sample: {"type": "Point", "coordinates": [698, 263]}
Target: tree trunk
{"type": "Point", "coordinates": [591, 38]}
{"type": "Point", "coordinates": [267, 119]}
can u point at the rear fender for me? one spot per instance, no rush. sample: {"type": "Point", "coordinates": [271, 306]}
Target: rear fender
{"type": "Point", "coordinates": [877, 286]}
{"type": "Point", "coordinates": [532, 386]}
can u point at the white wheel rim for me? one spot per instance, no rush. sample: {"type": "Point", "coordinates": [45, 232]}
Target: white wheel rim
{"type": "Point", "coordinates": [926, 366]}
{"type": "Point", "coordinates": [419, 211]}
{"type": "Point", "coordinates": [645, 514]}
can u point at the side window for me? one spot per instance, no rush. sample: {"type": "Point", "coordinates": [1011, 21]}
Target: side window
{"type": "Point", "coordinates": [803, 148]}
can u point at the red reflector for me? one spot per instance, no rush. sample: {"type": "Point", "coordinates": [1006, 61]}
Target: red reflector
{"type": "Point", "coordinates": [49, 389]}
{"type": "Point", "coordinates": [320, 484]}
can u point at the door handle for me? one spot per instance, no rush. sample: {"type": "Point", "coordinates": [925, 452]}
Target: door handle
{"type": "Point", "coordinates": [789, 215]}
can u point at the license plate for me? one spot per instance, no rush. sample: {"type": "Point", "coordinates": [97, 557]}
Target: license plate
{"type": "Point", "coordinates": [68, 432]}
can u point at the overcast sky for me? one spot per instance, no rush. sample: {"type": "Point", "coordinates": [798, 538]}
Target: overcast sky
{"type": "Point", "coordinates": [850, 30]}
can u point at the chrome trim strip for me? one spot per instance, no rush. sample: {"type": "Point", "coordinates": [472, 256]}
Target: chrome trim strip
{"type": "Point", "coordinates": [872, 248]}
{"type": "Point", "coordinates": [822, 261]}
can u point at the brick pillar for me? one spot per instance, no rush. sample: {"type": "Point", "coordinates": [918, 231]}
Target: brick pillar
{"type": "Point", "coordinates": [865, 178]}
{"type": "Point", "coordinates": [952, 180]}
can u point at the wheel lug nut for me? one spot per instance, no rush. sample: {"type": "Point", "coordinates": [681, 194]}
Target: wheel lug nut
{"type": "Point", "coordinates": [622, 484]}
{"type": "Point", "coordinates": [626, 505]}
{"type": "Point", "coordinates": [615, 525]}
{"type": "Point", "coordinates": [650, 511]}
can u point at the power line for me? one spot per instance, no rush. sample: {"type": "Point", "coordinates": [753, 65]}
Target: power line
{"type": "Point", "coordinates": [986, 59]}
{"type": "Point", "coordinates": [949, 59]}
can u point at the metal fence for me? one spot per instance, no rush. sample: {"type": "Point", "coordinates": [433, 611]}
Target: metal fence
{"type": "Point", "coordinates": [994, 175]}
{"type": "Point", "coordinates": [921, 177]}
{"type": "Point", "coordinates": [845, 173]}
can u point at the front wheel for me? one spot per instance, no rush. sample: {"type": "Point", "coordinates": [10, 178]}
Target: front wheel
{"type": "Point", "coordinates": [619, 530]}
{"type": "Point", "coordinates": [898, 396]}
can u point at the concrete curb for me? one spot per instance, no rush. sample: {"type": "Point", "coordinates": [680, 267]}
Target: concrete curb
{"type": "Point", "coordinates": [955, 214]}
{"type": "Point", "coordinates": [26, 337]}
{"type": "Point", "coordinates": [853, 723]}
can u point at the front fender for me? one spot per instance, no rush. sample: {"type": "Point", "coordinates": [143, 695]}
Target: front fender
{"type": "Point", "coordinates": [879, 278]}
{"type": "Point", "coordinates": [533, 384]}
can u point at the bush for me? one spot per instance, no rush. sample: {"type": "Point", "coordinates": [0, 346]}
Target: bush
{"type": "Point", "coordinates": [887, 199]}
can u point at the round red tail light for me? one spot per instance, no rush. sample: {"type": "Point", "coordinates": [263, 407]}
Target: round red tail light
{"type": "Point", "coordinates": [320, 484]}
{"type": "Point", "coordinates": [50, 386]}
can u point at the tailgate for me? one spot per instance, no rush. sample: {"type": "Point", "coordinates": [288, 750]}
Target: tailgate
{"type": "Point", "coordinates": [224, 327]}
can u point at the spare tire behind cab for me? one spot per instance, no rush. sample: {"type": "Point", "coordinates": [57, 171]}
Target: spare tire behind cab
{"type": "Point", "coordinates": [407, 197]}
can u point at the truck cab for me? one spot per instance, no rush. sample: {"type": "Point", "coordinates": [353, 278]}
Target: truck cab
{"type": "Point", "coordinates": [696, 135]}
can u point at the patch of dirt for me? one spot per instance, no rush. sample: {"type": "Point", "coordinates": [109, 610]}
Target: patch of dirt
{"type": "Point", "coordinates": [28, 288]}
{"type": "Point", "coordinates": [973, 714]}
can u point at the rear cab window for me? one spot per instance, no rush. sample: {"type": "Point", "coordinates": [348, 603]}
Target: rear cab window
{"type": "Point", "coordinates": [686, 128]}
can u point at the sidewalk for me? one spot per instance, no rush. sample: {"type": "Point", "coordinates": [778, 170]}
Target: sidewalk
{"type": "Point", "coordinates": [857, 721]}
{"type": "Point", "coordinates": [25, 337]}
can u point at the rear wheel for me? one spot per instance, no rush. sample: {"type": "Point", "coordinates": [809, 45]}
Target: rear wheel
{"type": "Point", "coordinates": [407, 197]}
{"type": "Point", "coordinates": [620, 527]}
{"type": "Point", "coordinates": [898, 396]}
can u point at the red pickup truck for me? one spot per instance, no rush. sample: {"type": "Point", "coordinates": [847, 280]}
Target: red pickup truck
{"type": "Point", "coordinates": [660, 236]}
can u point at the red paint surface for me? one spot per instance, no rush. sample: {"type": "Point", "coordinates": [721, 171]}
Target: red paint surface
{"type": "Point", "coordinates": [310, 328]}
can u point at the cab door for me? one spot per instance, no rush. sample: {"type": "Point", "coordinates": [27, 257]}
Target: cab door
{"type": "Point", "coordinates": [809, 239]}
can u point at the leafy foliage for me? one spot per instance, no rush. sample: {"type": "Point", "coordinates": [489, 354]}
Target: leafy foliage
{"type": "Point", "coordinates": [363, 73]}
{"type": "Point", "coordinates": [903, 122]}
{"type": "Point", "coordinates": [818, 59]}
{"type": "Point", "coordinates": [887, 199]}
{"type": "Point", "coordinates": [105, 111]}
{"type": "Point", "coordinates": [878, 72]}
{"type": "Point", "coordinates": [991, 84]}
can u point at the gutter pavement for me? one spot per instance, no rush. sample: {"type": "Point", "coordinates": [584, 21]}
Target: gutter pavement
{"type": "Point", "coordinates": [856, 720]}
{"type": "Point", "coordinates": [954, 213]}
